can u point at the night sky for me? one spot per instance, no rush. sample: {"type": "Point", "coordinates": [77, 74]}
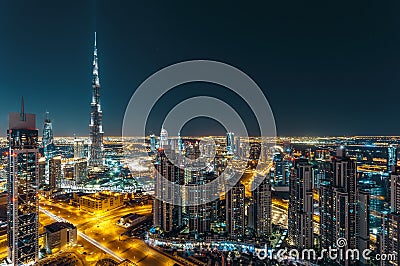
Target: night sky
{"type": "Point", "coordinates": [326, 67]}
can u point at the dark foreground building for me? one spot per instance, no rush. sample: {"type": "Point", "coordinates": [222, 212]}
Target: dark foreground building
{"type": "Point", "coordinates": [22, 187]}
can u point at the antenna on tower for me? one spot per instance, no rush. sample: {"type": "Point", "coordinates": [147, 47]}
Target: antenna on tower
{"type": "Point", "coordinates": [22, 114]}
{"type": "Point", "coordinates": [95, 64]}
{"type": "Point", "coordinates": [46, 117]}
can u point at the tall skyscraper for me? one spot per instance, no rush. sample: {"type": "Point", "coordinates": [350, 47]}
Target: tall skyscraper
{"type": "Point", "coordinates": [230, 142]}
{"type": "Point", "coordinates": [237, 146]}
{"type": "Point", "coordinates": [395, 191]}
{"type": "Point", "coordinates": [79, 149]}
{"type": "Point", "coordinates": [22, 187]}
{"type": "Point", "coordinates": [301, 207]}
{"type": "Point", "coordinates": [321, 170]}
{"type": "Point", "coordinates": [390, 241]}
{"type": "Point", "coordinates": [261, 210]}
{"type": "Point", "coordinates": [362, 222]}
{"type": "Point", "coordinates": [181, 146]}
{"type": "Point", "coordinates": [80, 170]}
{"type": "Point", "coordinates": [166, 215]}
{"type": "Point", "coordinates": [48, 139]}
{"type": "Point", "coordinates": [153, 143]}
{"type": "Point", "coordinates": [163, 138]}
{"type": "Point", "coordinates": [235, 211]}
{"type": "Point", "coordinates": [47, 144]}
{"type": "Point", "coordinates": [392, 157]}
{"type": "Point", "coordinates": [343, 206]}
{"type": "Point", "coordinates": [55, 172]}
{"type": "Point", "coordinates": [200, 216]}
{"type": "Point", "coordinates": [281, 173]}
{"type": "Point", "coordinates": [42, 171]}
{"type": "Point", "coordinates": [96, 116]}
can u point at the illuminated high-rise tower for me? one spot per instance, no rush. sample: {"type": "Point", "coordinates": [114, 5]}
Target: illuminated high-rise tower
{"type": "Point", "coordinates": [163, 138]}
{"type": "Point", "coordinates": [79, 149]}
{"type": "Point", "coordinates": [344, 207]}
{"type": "Point", "coordinates": [392, 157]}
{"type": "Point", "coordinates": [181, 146]}
{"type": "Point", "coordinates": [153, 143]}
{"type": "Point", "coordinates": [167, 215]}
{"type": "Point", "coordinates": [55, 172]}
{"type": "Point", "coordinates": [301, 207]}
{"type": "Point", "coordinates": [235, 211]}
{"type": "Point", "coordinates": [96, 116]}
{"type": "Point", "coordinates": [230, 142]}
{"type": "Point", "coordinates": [47, 144]}
{"type": "Point", "coordinates": [22, 188]}
{"type": "Point", "coordinates": [261, 209]}
{"type": "Point", "coordinates": [390, 240]}
{"type": "Point", "coordinates": [48, 139]}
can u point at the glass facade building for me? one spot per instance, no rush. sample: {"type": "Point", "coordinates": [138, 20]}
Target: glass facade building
{"type": "Point", "coordinates": [22, 187]}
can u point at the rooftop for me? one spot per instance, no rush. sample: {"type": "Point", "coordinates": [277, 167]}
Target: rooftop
{"type": "Point", "coordinates": [57, 226]}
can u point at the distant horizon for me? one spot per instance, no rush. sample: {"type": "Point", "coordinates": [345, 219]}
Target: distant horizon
{"type": "Point", "coordinates": [188, 136]}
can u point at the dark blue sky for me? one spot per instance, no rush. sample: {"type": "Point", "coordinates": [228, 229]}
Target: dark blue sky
{"type": "Point", "coordinates": [326, 67]}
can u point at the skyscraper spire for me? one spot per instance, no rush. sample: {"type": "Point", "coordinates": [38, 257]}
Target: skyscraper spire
{"type": "Point", "coordinates": [22, 114]}
{"type": "Point", "coordinates": [96, 115]}
{"type": "Point", "coordinates": [96, 81]}
{"type": "Point", "coordinates": [46, 117]}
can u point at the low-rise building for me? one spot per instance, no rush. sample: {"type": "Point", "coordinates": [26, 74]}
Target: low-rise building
{"type": "Point", "coordinates": [100, 202]}
{"type": "Point", "coordinates": [59, 235]}
{"type": "Point", "coordinates": [131, 219]}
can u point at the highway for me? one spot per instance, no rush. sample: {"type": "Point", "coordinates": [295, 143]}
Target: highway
{"type": "Point", "coordinates": [103, 232]}
{"type": "Point", "coordinates": [88, 239]}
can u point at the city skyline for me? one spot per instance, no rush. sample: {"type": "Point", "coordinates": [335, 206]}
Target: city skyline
{"type": "Point", "coordinates": [334, 68]}
{"type": "Point", "coordinates": [185, 133]}
{"type": "Point", "coordinates": [306, 196]}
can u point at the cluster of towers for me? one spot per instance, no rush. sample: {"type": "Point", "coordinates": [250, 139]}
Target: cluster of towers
{"type": "Point", "coordinates": [230, 215]}
{"type": "Point", "coordinates": [343, 206]}
{"type": "Point", "coordinates": [344, 210]}
{"type": "Point", "coordinates": [26, 169]}
{"type": "Point", "coordinates": [327, 205]}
